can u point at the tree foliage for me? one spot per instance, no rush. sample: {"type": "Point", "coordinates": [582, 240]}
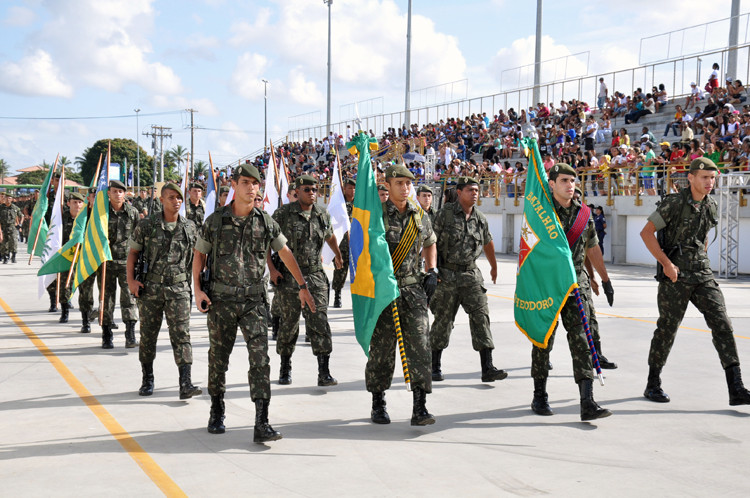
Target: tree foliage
{"type": "Point", "coordinates": [122, 149]}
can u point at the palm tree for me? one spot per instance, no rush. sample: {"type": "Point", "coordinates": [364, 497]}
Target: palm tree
{"type": "Point", "coordinates": [179, 155]}
{"type": "Point", "coordinates": [4, 170]}
{"type": "Point", "coordinates": [200, 168]}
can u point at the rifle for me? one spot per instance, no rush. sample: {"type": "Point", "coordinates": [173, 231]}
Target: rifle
{"type": "Point", "coordinates": [141, 266]}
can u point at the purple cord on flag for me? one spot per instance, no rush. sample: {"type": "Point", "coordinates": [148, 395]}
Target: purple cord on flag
{"type": "Point", "coordinates": [589, 339]}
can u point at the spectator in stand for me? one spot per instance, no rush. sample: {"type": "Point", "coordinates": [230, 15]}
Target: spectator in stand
{"type": "Point", "coordinates": [737, 94]}
{"type": "Point", "coordinates": [713, 79]}
{"type": "Point", "coordinates": [605, 130]}
{"type": "Point", "coordinates": [602, 95]}
{"type": "Point", "coordinates": [648, 169]}
{"type": "Point", "coordinates": [679, 114]}
{"type": "Point", "coordinates": [686, 133]}
{"type": "Point", "coordinates": [590, 134]}
{"type": "Point", "coordinates": [646, 107]}
{"type": "Point", "coordinates": [696, 94]}
{"type": "Point", "coordinates": [660, 95]}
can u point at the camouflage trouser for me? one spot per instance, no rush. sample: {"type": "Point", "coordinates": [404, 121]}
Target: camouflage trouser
{"type": "Point", "coordinates": [86, 293]}
{"type": "Point", "coordinates": [315, 323]}
{"type": "Point", "coordinates": [339, 275]}
{"type": "Point", "coordinates": [673, 299]}
{"type": "Point", "coordinates": [444, 305]}
{"type": "Point", "coordinates": [224, 316]}
{"type": "Point", "coordinates": [64, 291]}
{"type": "Point", "coordinates": [275, 308]}
{"type": "Point", "coordinates": [153, 304]}
{"type": "Point", "coordinates": [412, 308]}
{"type": "Point", "coordinates": [25, 227]}
{"type": "Point", "coordinates": [579, 348]}
{"type": "Point", "coordinates": [116, 274]}
{"type": "Point", "coordinates": [10, 240]}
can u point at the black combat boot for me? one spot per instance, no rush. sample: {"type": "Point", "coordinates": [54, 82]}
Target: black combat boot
{"type": "Point", "coordinates": [379, 415]}
{"type": "Point", "coordinates": [187, 389]}
{"type": "Point", "coordinates": [70, 305]}
{"type": "Point", "coordinates": [65, 312]}
{"type": "Point", "coordinates": [337, 298]}
{"type": "Point", "coordinates": [147, 384]}
{"type": "Point", "coordinates": [539, 404]}
{"type": "Point", "coordinates": [107, 337]}
{"type": "Point", "coordinates": [5, 259]}
{"type": "Point", "coordinates": [738, 395]}
{"type": "Point", "coordinates": [275, 322]}
{"type": "Point", "coordinates": [13, 258]}
{"type": "Point", "coordinates": [589, 409]}
{"type": "Point", "coordinates": [437, 372]}
{"type": "Point", "coordinates": [419, 414]}
{"type": "Point", "coordinates": [603, 361]}
{"type": "Point", "coordinates": [263, 432]}
{"type": "Point", "coordinates": [130, 341]}
{"type": "Point", "coordinates": [85, 327]}
{"type": "Point", "coordinates": [489, 372]}
{"type": "Point", "coordinates": [52, 304]}
{"type": "Point", "coordinates": [216, 418]}
{"type": "Point", "coordinates": [653, 390]}
{"type": "Point", "coordinates": [324, 375]}
{"type": "Point", "coordinates": [285, 373]}
{"type": "Point", "coordinates": [114, 326]}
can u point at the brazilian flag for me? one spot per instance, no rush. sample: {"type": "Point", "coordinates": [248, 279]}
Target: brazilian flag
{"type": "Point", "coordinates": [373, 284]}
{"type": "Point", "coordinates": [545, 274]}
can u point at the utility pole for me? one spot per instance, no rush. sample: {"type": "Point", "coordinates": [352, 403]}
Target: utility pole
{"type": "Point", "coordinates": [160, 133]}
{"type": "Point", "coordinates": [537, 54]}
{"type": "Point", "coordinates": [265, 118]}
{"type": "Point", "coordinates": [137, 149]}
{"type": "Point", "coordinates": [328, 110]}
{"type": "Point", "coordinates": [407, 119]}
{"type": "Point", "coordinates": [192, 143]}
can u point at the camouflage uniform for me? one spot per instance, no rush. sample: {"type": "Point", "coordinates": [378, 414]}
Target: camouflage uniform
{"type": "Point", "coordinates": [306, 235]}
{"type": "Point", "coordinates": [169, 254]}
{"type": "Point", "coordinates": [8, 216]}
{"type": "Point", "coordinates": [339, 274]}
{"type": "Point", "coordinates": [686, 225]}
{"type": "Point", "coordinates": [121, 226]}
{"type": "Point", "coordinates": [571, 318]}
{"type": "Point", "coordinates": [459, 243]}
{"type": "Point", "coordinates": [195, 213]}
{"type": "Point", "coordinates": [237, 247]}
{"type": "Point", "coordinates": [412, 308]}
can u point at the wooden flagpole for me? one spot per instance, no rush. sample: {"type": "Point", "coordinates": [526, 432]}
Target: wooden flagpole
{"type": "Point", "coordinates": [39, 227]}
{"type": "Point", "coordinates": [61, 189]}
{"type": "Point", "coordinates": [78, 246]}
{"type": "Point", "coordinates": [104, 264]}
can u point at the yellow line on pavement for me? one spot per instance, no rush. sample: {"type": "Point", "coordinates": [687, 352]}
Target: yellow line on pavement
{"type": "Point", "coordinates": [136, 452]}
{"type": "Point", "coordinates": [633, 319]}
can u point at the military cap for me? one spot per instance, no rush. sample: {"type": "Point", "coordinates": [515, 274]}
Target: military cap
{"type": "Point", "coordinates": [92, 190]}
{"type": "Point", "coordinates": [196, 185]}
{"type": "Point", "coordinates": [466, 180]}
{"type": "Point", "coordinates": [117, 184]}
{"type": "Point", "coordinates": [382, 187]}
{"type": "Point", "coordinates": [291, 188]}
{"type": "Point", "coordinates": [223, 190]}
{"type": "Point", "coordinates": [561, 169]}
{"type": "Point", "coordinates": [425, 189]}
{"type": "Point", "coordinates": [578, 192]}
{"type": "Point", "coordinates": [247, 170]}
{"type": "Point", "coordinates": [305, 180]}
{"type": "Point", "coordinates": [75, 196]}
{"type": "Point", "coordinates": [398, 171]}
{"type": "Point", "coordinates": [702, 163]}
{"type": "Point", "coordinates": [350, 181]}
{"type": "Point", "coordinates": [175, 187]}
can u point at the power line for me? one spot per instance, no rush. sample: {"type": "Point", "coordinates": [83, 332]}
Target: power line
{"type": "Point", "coordinates": [121, 116]}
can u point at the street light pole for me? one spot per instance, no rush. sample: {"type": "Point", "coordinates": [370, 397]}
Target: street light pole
{"type": "Point", "coordinates": [137, 149]}
{"type": "Point", "coordinates": [537, 55]}
{"type": "Point", "coordinates": [407, 119]}
{"type": "Point", "coordinates": [265, 116]}
{"type": "Point", "coordinates": [328, 110]}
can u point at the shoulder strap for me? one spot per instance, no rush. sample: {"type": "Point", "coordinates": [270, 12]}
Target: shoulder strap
{"type": "Point", "coordinates": [579, 225]}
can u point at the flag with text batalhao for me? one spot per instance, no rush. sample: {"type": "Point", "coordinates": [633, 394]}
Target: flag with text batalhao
{"type": "Point", "coordinates": [373, 284]}
{"type": "Point", "coordinates": [95, 246]}
{"type": "Point", "coordinates": [545, 274]}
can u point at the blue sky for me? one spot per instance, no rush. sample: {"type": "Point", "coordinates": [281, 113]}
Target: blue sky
{"type": "Point", "coordinates": [73, 58]}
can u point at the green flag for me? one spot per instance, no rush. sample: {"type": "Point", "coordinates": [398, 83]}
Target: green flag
{"type": "Point", "coordinates": [62, 260]}
{"type": "Point", "coordinates": [373, 284]}
{"type": "Point", "coordinates": [37, 217]}
{"type": "Point", "coordinates": [545, 274]}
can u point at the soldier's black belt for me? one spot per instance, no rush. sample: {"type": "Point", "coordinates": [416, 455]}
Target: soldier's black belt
{"type": "Point", "coordinates": [253, 290]}
{"type": "Point", "coordinates": [408, 280]}
{"type": "Point", "coordinates": [452, 267]}
{"type": "Point", "coordinates": [166, 279]}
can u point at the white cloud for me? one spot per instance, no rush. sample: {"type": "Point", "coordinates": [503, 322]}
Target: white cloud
{"type": "Point", "coordinates": [19, 16]}
{"type": "Point", "coordinates": [202, 105]}
{"type": "Point", "coordinates": [34, 75]}
{"type": "Point", "coordinates": [303, 91]}
{"type": "Point", "coordinates": [246, 77]}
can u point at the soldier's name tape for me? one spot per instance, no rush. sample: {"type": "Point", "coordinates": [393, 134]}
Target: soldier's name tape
{"type": "Point", "coordinates": [534, 305]}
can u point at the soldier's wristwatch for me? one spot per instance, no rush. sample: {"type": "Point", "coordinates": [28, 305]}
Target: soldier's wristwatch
{"type": "Point", "coordinates": [303, 286]}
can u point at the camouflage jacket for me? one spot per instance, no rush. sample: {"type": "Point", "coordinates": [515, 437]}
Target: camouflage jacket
{"type": "Point", "coordinates": [8, 215]}
{"type": "Point", "coordinates": [460, 241]}
{"type": "Point", "coordinates": [586, 241]}
{"type": "Point", "coordinates": [168, 250]}
{"type": "Point", "coordinates": [237, 247]}
{"type": "Point", "coordinates": [684, 226]}
{"type": "Point", "coordinates": [195, 213]}
{"type": "Point", "coordinates": [395, 223]}
{"type": "Point", "coordinates": [121, 226]}
{"type": "Point", "coordinates": [306, 236]}
{"type": "Point", "coordinates": [68, 223]}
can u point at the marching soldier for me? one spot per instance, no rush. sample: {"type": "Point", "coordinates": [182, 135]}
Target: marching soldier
{"type": "Point", "coordinates": [122, 221]}
{"type": "Point", "coordinates": [415, 289]}
{"type": "Point", "coordinates": [463, 233]}
{"type": "Point", "coordinates": [307, 227]}
{"type": "Point", "coordinates": [10, 216]}
{"type": "Point", "coordinates": [339, 274]}
{"type": "Point", "coordinates": [684, 275]}
{"type": "Point", "coordinates": [223, 192]}
{"type": "Point", "coordinates": [291, 194]}
{"type": "Point", "coordinates": [424, 196]}
{"type": "Point", "coordinates": [86, 288]}
{"type": "Point", "coordinates": [196, 207]}
{"type": "Point", "coordinates": [383, 193]}
{"type": "Point", "coordinates": [163, 287]}
{"type": "Point", "coordinates": [562, 179]}
{"type": "Point", "coordinates": [237, 238]}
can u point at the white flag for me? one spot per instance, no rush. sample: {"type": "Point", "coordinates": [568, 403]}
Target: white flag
{"type": "Point", "coordinates": [54, 236]}
{"type": "Point", "coordinates": [283, 182]}
{"type": "Point", "coordinates": [183, 187]}
{"type": "Point", "coordinates": [337, 210]}
{"type": "Point", "coordinates": [270, 194]}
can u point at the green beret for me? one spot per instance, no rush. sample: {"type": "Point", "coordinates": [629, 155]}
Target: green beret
{"type": "Point", "coordinates": [350, 181]}
{"type": "Point", "coordinates": [424, 189]}
{"type": "Point", "coordinates": [466, 180]}
{"type": "Point", "coordinates": [561, 169]}
{"type": "Point", "coordinates": [578, 192]}
{"type": "Point", "coordinates": [292, 187]}
{"type": "Point", "coordinates": [223, 190]}
{"type": "Point", "coordinates": [247, 170]}
{"type": "Point", "coordinates": [703, 163]}
{"type": "Point", "coordinates": [75, 196]}
{"type": "Point", "coordinates": [117, 184]}
{"type": "Point", "coordinates": [92, 190]}
{"type": "Point", "coordinates": [382, 187]}
{"type": "Point", "coordinates": [196, 185]}
{"type": "Point", "coordinates": [305, 180]}
{"type": "Point", "coordinates": [398, 171]}
{"type": "Point", "coordinates": [175, 187]}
